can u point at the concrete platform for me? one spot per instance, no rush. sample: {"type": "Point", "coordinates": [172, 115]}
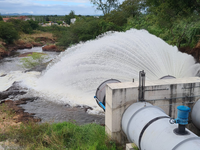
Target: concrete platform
{"type": "Point", "coordinates": [166, 94]}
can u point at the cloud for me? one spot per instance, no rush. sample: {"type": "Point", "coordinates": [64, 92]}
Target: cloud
{"type": "Point", "coordinates": [74, 1]}
{"type": "Point", "coordinates": [47, 7]}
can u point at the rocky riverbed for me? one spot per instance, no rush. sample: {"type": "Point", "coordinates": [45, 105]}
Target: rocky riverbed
{"type": "Point", "coordinates": [39, 110]}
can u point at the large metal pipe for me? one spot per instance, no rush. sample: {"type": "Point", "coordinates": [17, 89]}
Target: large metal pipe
{"type": "Point", "coordinates": [149, 128]}
{"type": "Point", "coordinates": [196, 114]}
{"type": "Point", "coordinates": [100, 95]}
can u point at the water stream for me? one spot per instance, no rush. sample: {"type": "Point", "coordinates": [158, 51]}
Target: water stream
{"type": "Point", "coordinates": [74, 75]}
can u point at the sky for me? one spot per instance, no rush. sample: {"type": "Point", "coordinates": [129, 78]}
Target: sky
{"type": "Point", "coordinates": [48, 7]}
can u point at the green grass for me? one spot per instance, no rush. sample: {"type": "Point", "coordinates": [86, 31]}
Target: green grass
{"type": "Point", "coordinates": [61, 136]}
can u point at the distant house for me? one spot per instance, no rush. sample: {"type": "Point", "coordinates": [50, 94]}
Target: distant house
{"type": "Point", "coordinates": [5, 19]}
{"type": "Point", "coordinates": [72, 20]}
{"type": "Point", "coordinates": [25, 18]}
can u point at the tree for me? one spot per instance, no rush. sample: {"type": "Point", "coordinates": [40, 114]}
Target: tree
{"type": "Point", "coordinates": [1, 19]}
{"type": "Point", "coordinates": [119, 18]}
{"type": "Point", "coordinates": [8, 32]}
{"type": "Point", "coordinates": [72, 14]}
{"type": "Point", "coordinates": [169, 8]}
{"type": "Point", "coordinates": [69, 17]}
{"type": "Point", "coordinates": [105, 5]}
{"type": "Point", "coordinates": [131, 7]}
{"type": "Point", "coordinates": [21, 25]}
{"type": "Point", "coordinates": [34, 24]}
{"type": "Point", "coordinates": [47, 18]}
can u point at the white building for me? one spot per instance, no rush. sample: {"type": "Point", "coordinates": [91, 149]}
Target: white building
{"type": "Point", "coordinates": [72, 20]}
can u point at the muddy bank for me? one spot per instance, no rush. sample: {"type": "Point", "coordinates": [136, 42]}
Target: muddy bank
{"type": "Point", "coordinates": [19, 113]}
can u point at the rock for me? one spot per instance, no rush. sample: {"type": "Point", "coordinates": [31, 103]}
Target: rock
{"type": "Point", "coordinates": [45, 39]}
{"type": "Point", "coordinates": [20, 102]}
{"type": "Point", "coordinates": [3, 75]}
{"type": "Point", "coordinates": [28, 45]}
{"type": "Point", "coordinates": [3, 52]}
{"type": "Point", "coordinates": [20, 47]}
{"type": "Point", "coordinates": [31, 99]}
{"type": "Point", "coordinates": [8, 101]}
{"type": "Point", "coordinates": [20, 115]}
{"type": "Point", "coordinates": [37, 44]}
{"type": "Point", "coordinates": [16, 89]}
{"type": "Point", "coordinates": [195, 52]}
{"type": "Point", "coordinates": [50, 48]}
{"type": "Point", "coordinates": [12, 48]}
{"type": "Point", "coordinates": [4, 95]}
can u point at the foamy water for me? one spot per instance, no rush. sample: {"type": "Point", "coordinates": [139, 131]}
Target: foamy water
{"type": "Point", "coordinates": [74, 76]}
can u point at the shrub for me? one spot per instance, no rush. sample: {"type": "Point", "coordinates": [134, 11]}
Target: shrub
{"type": "Point", "coordinates": [82, 30]}
{"type": "Point", "coordinates": [1, 19]}
{"type": "Point", "coordinates": [7, 32]}
{"type": "Point", "coordinates": [34, 24]}
{"type": "Point", "coordinates": [119, 18]}
{"type": "Point", "coordinates": [22, 26]}
{"type": "Point", "coordinates": [33, 60]}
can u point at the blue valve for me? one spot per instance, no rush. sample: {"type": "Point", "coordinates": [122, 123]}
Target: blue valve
{"type": "Point", "coordinates": [183, 113]}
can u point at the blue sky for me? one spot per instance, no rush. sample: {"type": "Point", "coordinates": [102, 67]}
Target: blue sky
{"type": "Point", "coordinates": [48, 7]}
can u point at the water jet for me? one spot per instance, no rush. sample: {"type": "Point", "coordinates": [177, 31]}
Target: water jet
{"type": "Point", "coordinates": [74, 76]}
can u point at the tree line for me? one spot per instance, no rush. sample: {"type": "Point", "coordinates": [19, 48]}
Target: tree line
{"type": "Point", "coordinates": [177, 22]}
{"type": "Point", "coordinates": [10, 30]}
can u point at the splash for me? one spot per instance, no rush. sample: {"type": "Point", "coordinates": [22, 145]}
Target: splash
{"type": "Point", "coordinates": [74, 76]}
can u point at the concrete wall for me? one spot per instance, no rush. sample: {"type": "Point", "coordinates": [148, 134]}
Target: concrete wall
{"type": "Point", "coordinates": [166, 94]}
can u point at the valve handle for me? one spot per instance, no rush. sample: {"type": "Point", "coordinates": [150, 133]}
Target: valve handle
{"type": "Point", "coordinates": [172, 121]}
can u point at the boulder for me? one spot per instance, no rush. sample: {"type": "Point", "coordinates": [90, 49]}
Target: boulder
{"type": "Point", "coordinates": [3, 52]}
{"type": "Point", "coordinates": [50, 48]}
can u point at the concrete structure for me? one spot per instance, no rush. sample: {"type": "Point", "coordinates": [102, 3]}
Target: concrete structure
{"type": "Point", "coordinates": [73, 20]}
{"type": "Point", "coordinates": [166, 94]}
{"type": "Point", "coordinates": [130, 146]}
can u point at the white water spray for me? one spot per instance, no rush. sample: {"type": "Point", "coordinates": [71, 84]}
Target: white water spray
{"type": "Point", "coordinates": [77, 72]}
